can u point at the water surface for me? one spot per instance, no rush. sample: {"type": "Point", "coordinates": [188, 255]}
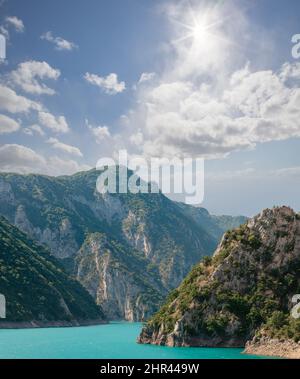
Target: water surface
{"type": "Point", "coordinates": [115, 340]}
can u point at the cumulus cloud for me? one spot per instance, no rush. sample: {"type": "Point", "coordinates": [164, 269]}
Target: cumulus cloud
{"type": "Point", "coordinates": [16, 23]}
{"type": "Point", "coordinates": [8, 125]}
{"type": "Point", "coordinates": [22, 159]}
{"type": "Point", "coordinates": [58, 42]}
{"type": "Point", "coordinates": [56, 144]}
{"type": "Point", "coordinates": [108, 84]}
{"type": "Point", "coordinates": [187, 119]}
{"type": "Point", "coordinates": [11, 22]}
{"type": "Point", "coordinates": [19, 158]}
{"type": "Point", "coordinates": [99, 132]}
{"type": "Point", "coordinates": [59, 166]}
{"type": "Point", "coordinates": [13, 103]}
{"type": "Point", "coordinates": [57, 124]}
{"type": "Point", "coordinates": [29, 76]}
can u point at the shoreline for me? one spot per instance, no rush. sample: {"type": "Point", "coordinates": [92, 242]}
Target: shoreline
{"type": "Point", "coordinates": [265, 347]}
{"type": "Point", "coordinates": [49, 324]}
{"type": "Point", "coordinates": [273, 348]}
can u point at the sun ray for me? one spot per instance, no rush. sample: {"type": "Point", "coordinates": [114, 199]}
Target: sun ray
{"type": "Point", "coordinates": [202, 27]}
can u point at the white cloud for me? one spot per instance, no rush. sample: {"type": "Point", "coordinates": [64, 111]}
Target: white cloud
{"type": "Point", "coordinates": [137, 138]}
{"type": "Point", "coordinates": [59, 42]}
{"type": "Point", "coordinates": [58, 166]}
{"type": "Point", "coordinates": [11, 22]}
{"type": "Point", "coordinates": [13, 103]}
{"type": "Point", "coordinates": [99, 132]}
{"type": "Point", "coordinates": [56, 144]}
{"type": "Point", "coordinates": [34, 129]}
{"type": "Point", "coordinates": [146, 76]}
{"type": "Point", "coordinates": [57, 124]}
{"type": "Point", "coordinates": [186, 119]}
{"type": "Point", "coordinates": [29, 76]}
{"type": "Point", "coordinates": [8, 125]}
{"type": "Point", "coordinates": [21, 159]}
{"type": "Point", "coordinates": [289, 71]}
{"type": "Point", "coordinates": [16, 23]}
{"type": "Point", "coordinates": [108, 84]}
{"type": "Point", "coordinates": [18, 158]}
{"type": "Point", "coordinates": [201, 103]}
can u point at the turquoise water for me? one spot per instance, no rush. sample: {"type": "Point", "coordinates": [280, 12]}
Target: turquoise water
{"type": "Point", "coordinates": [115, 340]}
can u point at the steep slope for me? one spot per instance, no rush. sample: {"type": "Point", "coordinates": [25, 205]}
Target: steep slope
{"type": "Point", "coordinates": [245, 290]}
{"type": "Point", "coordinates": [214, 225]}
{"type": "Point", "coordinates": [36, 287]}
{"type": "Point", "coordinates": [114, 278]}
{"type": "Point", "coordinates": [64, 213]}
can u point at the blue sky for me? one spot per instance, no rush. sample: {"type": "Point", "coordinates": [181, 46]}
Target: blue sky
{"type": "Point", "coordinates": [222, 93]}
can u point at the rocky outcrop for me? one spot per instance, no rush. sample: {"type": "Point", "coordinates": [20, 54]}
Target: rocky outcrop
{"type": "Point", "coordinates": [273, 347]}
{"type": "Point", "coordinates": [244, 291]}
{"type": "Point", "coordinates": [61, 241]}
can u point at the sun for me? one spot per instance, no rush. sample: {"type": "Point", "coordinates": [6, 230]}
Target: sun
{"type": "Point", "coordinates": [202, 36]}
{"type": "Point", "coordinates": [200, 33]}
{"type": "Point", "coordinates": [200, 28]}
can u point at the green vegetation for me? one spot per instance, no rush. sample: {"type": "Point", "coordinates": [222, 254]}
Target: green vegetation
{"type": "Point", "coordinates": [35, 285]}
{"type": "Point", "coordinates": [280, 325]}
{"type": "Point", "coordinates": [243, 290]}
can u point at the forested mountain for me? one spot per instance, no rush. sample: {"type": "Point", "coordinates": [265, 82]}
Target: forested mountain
{"type": "Point", "coordinates": [37, 288]}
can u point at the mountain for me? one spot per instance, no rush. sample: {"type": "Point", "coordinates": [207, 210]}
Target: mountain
{"type": "Point", "coordinates": [243, 293]}
{"type": "Point", "coordinates": [128, 250]}
{"type": "Point", "coordinates": [216, 226]}
{"type": "Point", "coordinates": [37, 289]}
{"type": "Point", "coordinates": [149, 244]}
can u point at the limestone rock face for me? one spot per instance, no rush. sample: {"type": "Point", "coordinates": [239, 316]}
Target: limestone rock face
{"type": "Point", "coordinates": [115, 279]}
{"type": "Point", "coordinates": [244, 291]}
{"type": "Point", "coordinates": [151, 241]}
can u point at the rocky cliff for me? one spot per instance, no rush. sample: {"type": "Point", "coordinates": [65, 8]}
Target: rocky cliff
{"type": "Point", "coordinates": [120, 280]}
{"type": "Point", "coordinates": [243, 292]}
